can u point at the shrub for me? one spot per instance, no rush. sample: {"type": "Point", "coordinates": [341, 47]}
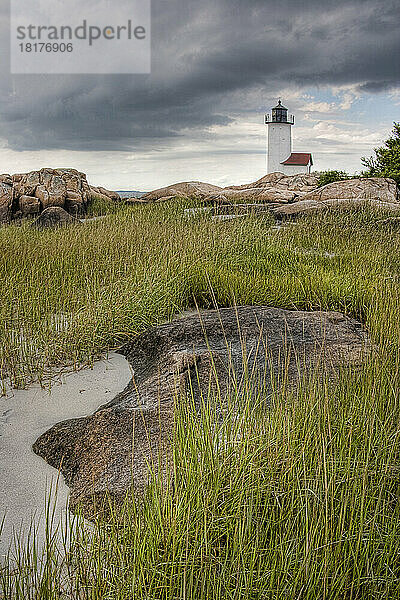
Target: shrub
{"type": "Point", "coordinates": [386, 162]}
{"type": "Point", "coordinates": [326, 177]}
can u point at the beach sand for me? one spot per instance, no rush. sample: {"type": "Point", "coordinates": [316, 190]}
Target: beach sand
{"type": "Point", "coordinates": [24, 416]}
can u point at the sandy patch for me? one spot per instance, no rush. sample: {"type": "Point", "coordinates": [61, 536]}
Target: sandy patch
{"type": "Point", "coordinates": [24, 416]}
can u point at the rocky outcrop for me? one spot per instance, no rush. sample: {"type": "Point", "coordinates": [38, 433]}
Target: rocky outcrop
{"type": "Point", "coordinates": [66, 188]}
{"type": "Point", "coordinates": [187, 356]}
{"type": "Point", "coordinates": [54, 217]}
{"type": "Point", "coordinates": [6, 198]}
{"type": "Point", "coordinates": [28, 194]}
{"type": "Point", "coordinates": [188, 189]}
{"type": "Point", "coordinates": [381, 192]}
{"type": "Point", "coordinates": [102, 193]}
{"type": "Point", "coordinates": [29, 205]}
{"type": "Point", "coordinates": [373, 188]}
{"type": "Point", "coordinates": [274, 187]}
{"type": "Point", "coordinates": [294, 194]}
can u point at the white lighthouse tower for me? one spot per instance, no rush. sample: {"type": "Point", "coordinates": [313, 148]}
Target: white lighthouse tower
{"type": "Point", "coordinates": [280, 157]}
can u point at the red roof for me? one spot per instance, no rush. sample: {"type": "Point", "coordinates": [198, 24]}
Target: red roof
{"type": "Point", "coordinates": [298, 158]}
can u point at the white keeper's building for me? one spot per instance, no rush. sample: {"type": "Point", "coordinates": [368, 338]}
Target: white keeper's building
{"type": "Point", "coordinates": [280, 157]}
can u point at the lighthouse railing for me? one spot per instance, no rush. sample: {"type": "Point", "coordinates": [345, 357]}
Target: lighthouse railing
{"type": "Point", "coordinates": [269, 119]}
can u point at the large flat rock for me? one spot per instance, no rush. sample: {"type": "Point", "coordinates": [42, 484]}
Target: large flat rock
{"type": "Point", "coordinates": [361, 188]}
{"type": "Point", "coordinates": [186, 189]}
{"type": "Point", "coordinates": [379, 191]}
{"type": "Point", "coordinates": [190, 353]}
{"type": "Point", "coordinates": [289, 191]}
{"type": "Point", "coordinates": [274, 187]}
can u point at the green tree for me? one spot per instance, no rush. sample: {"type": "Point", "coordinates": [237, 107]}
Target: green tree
{"type": "Point", "coordinates": [386, 162]}
{"type": "Point", "coordinates": [326, 177]}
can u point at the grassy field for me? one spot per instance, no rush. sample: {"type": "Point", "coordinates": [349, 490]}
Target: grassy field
{"type": "Point", "coordinates": [69, 295]}
{"type": "Point", "coordinates": [304, 504]}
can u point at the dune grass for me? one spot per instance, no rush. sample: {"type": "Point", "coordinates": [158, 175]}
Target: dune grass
{"type": "Point", "coordinates": [100, 206]}
{"type": "Point", "coordinates": [297, 501]}
{"type": "Point", "coordinates": [304, 503]}
{"type": "Point", "coordinates": [69, 295]}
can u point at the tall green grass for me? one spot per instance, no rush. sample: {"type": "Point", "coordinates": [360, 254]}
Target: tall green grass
{"type": "Point", "coordinates": [71, 294]}
{"type": "Point", "coordinates": [298, 501]}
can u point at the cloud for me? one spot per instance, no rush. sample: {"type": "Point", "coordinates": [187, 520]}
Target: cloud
{"type": "Point", "coordinates": [319, 107]}
{"type": "Point", "coordinates": [210, 60]}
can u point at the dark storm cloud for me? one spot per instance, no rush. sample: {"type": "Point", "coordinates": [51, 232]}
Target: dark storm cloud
{"type": "Point", "coordinates": [204, 53]}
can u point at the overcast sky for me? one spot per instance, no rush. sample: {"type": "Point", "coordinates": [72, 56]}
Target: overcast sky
{"type": "Point", "coordinates": [217, 67]}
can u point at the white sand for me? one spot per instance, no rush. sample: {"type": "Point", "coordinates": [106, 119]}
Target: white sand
{"type": "Point", "coordinates": [24, 416]}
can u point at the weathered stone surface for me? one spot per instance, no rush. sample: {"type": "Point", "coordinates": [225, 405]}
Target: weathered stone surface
{"type": "Point", "coordinates": [75, 202]}
{"type": "Point", "coordinates": [102, 193]}
{"type": "Point", "coordinates": [29, 205]}
{"type": "Point", "coordinates": [74, 196]}
{"type": "Point", "coordinates": [7, 179]}
{"type": "Point", "coordinates": [73, 179]}
{"type": "Point", "coordinates": [42, 195]}
{"type": "Point", "coordinates": [6, 199]}
{"type": "Point", "coordinates": [54, 217]}
{"type": "Point", "coordinates": [112, 195]}
{"type": "Point", "coordinates": [187, 189]}
{"type": "Point", "coordinates": [373, 188]}
{"type": "Point", "coordinates": [381, 192]}
{"type": "Point", "coordinates": [95, 194]}
{"type": "Point", "coordinates": [66, 188]}
{"type": "Point", "coordinates": [28, 183]}
{"type": "Point", "coordinates": [308, 206]}
{"type": "Point", "coordinates": [53, 191]}
{"type": "Point", "coordinates": [274, 187]}
{"type": "Point", "coordinates": [95, 453]}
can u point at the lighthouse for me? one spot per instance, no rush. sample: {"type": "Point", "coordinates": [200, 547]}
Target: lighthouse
{"type": "Point", "coordinates": [280, 157]}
